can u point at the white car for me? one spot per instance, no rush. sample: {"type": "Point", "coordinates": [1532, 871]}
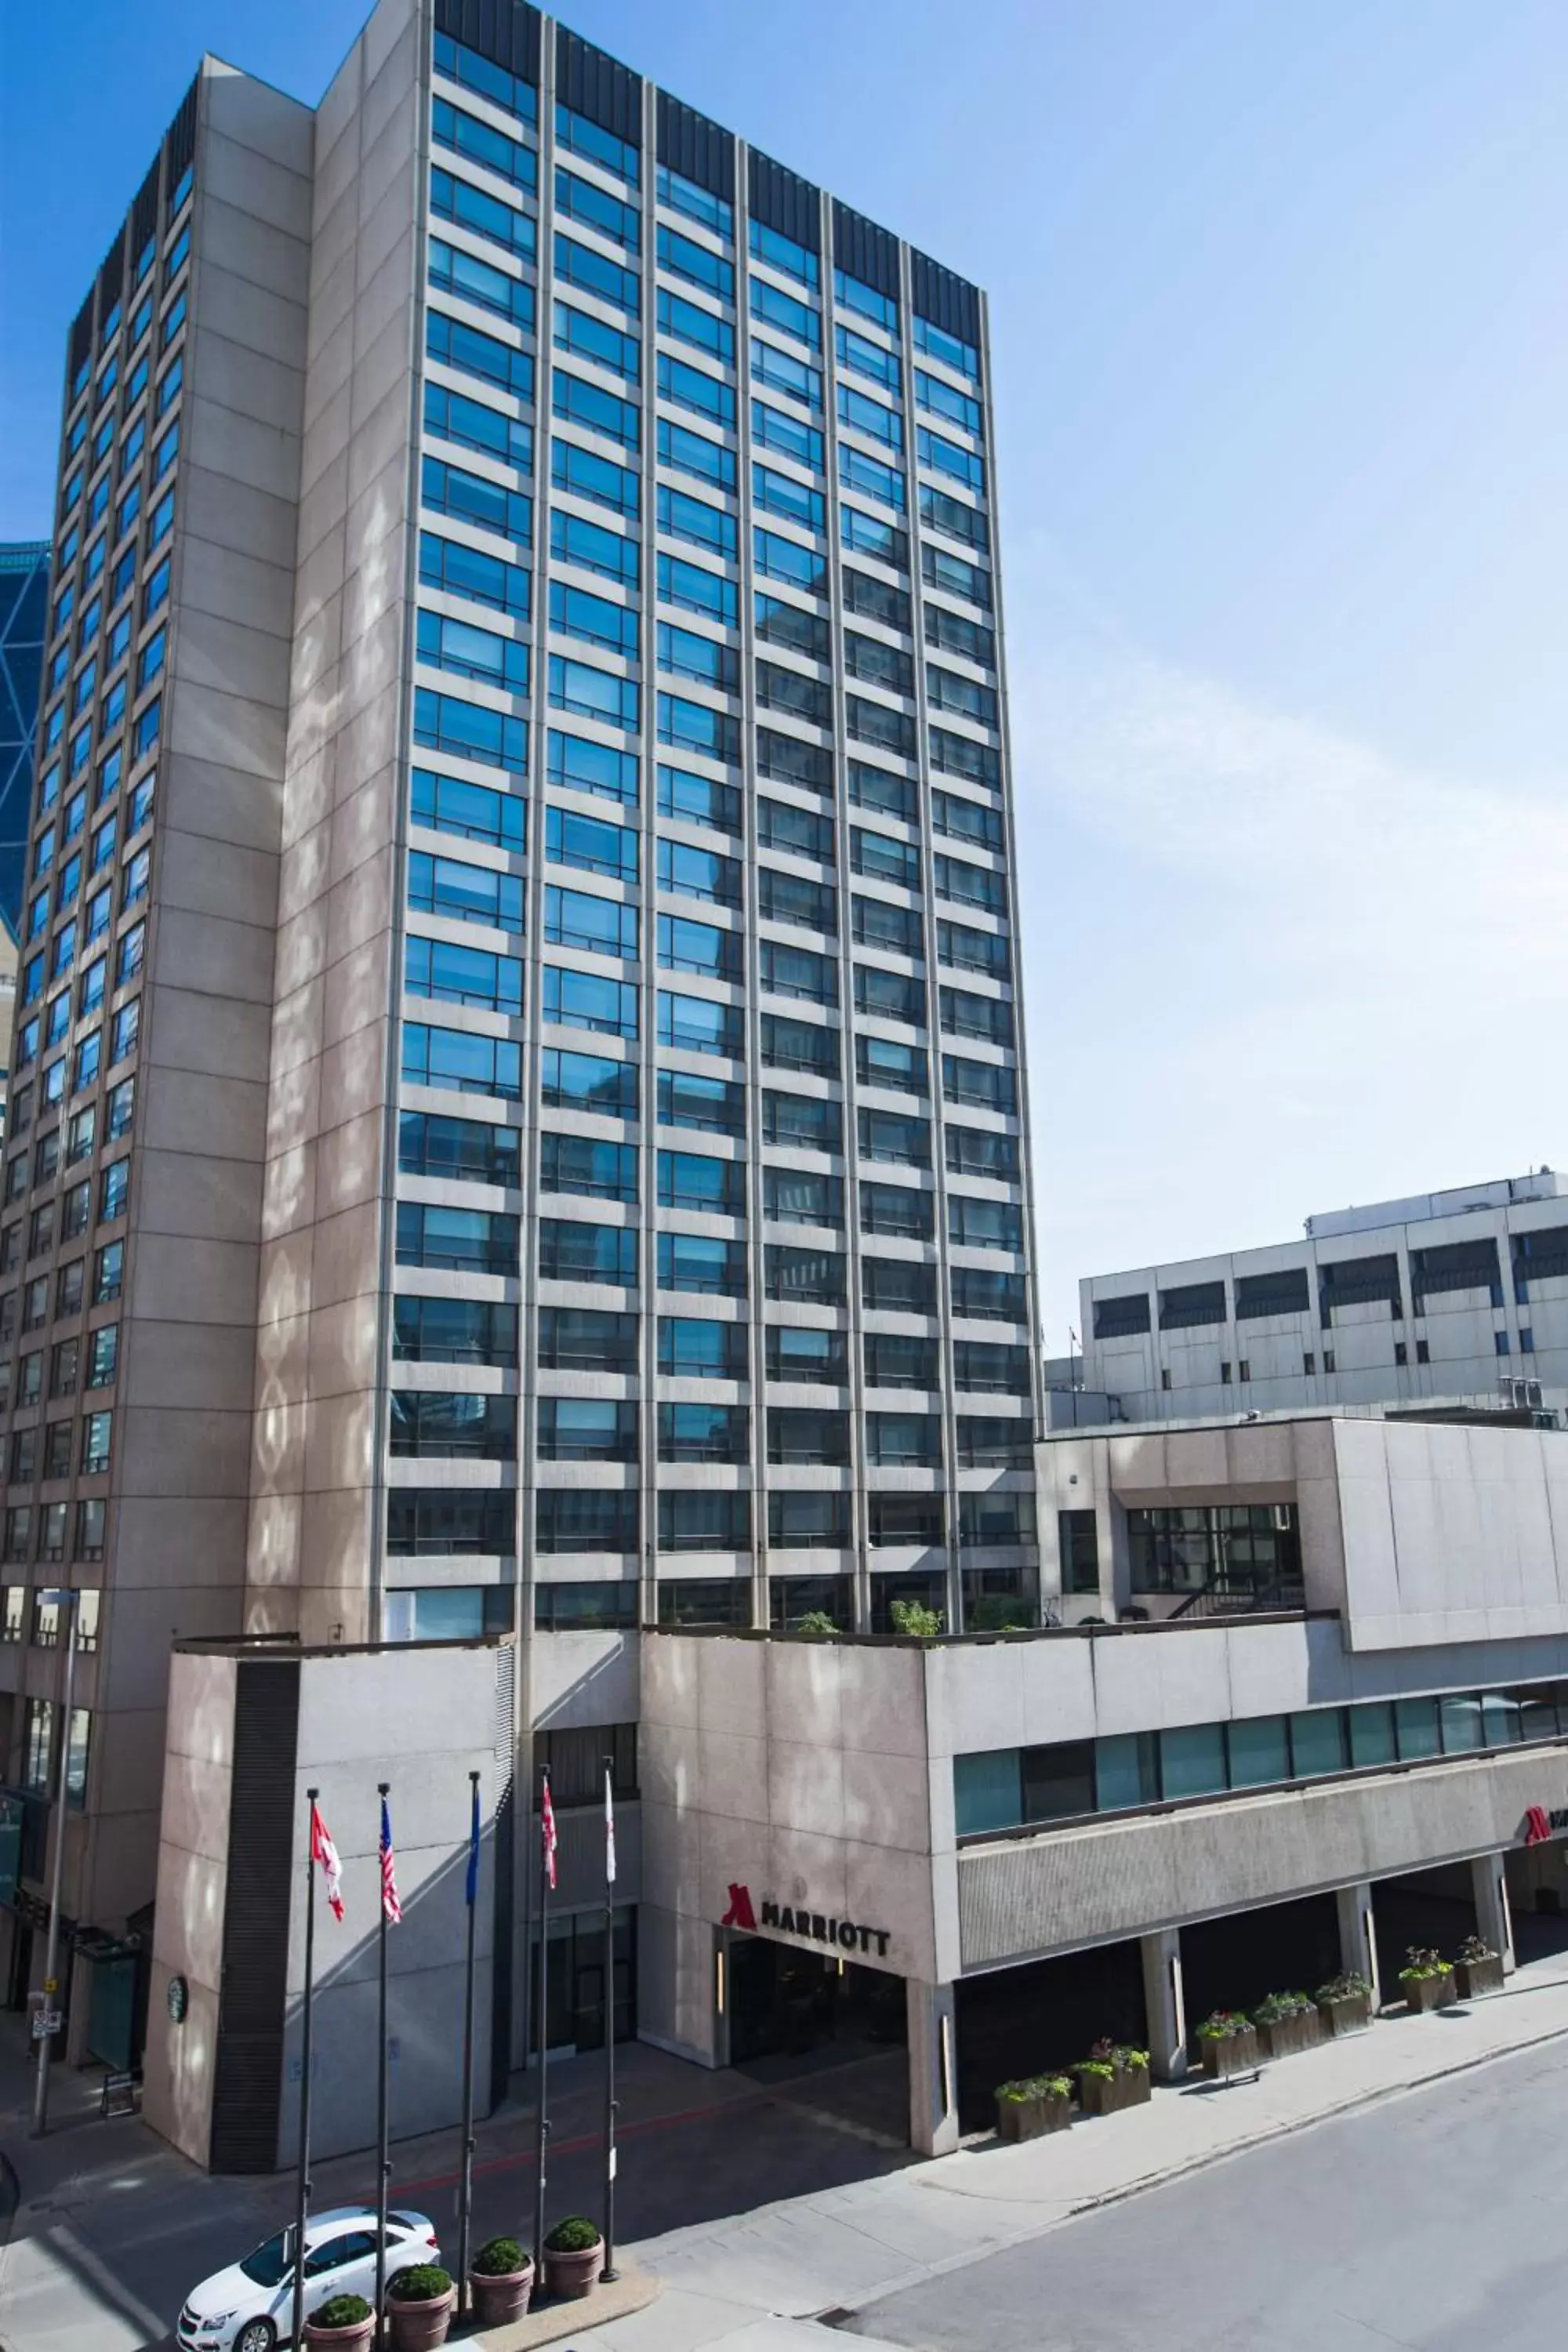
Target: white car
{"type": "Point", "coordinates": [250, 2307]}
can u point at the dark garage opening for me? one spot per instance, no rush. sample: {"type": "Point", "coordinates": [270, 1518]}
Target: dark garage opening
{"type": "Point", "coordinates": [1235, 1962]}
{"type": "Point", "coordinates": [1426, 1906]}
{"type": "Point", "coordinates": [1031, 2020]}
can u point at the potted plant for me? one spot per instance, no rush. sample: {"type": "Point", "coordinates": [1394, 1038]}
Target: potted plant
{"type": "Point", "coordinates": [1427, 1979]}
{"type": "Point", "coordinates": [1033, 2105]}
{"type": "Point", "coordinates": [574, 2256]}
{"type": "Point", "coordinates": [1114, 2075]}
{"type": "Point", "coordinates": [1344, 2003]}
{"type": "Point", "coordinates": [817, 1621]}
{"type": "Point", "coordinates": [345, 2322]}
{"type": "Point", "coordinates": [501, 2281]}
{"type": "Point", "coordinates": [1477, 1970]}
{"type": "Point", "coordinates": [1229, 2042]}
{"type": "Point", "coordinates": [1287, 2022]}
{"type": "Point", "coordinates": [418, 2308]}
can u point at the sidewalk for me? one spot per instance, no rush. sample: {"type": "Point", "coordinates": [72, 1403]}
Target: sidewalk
{"type": "Point", "coordinates": [749, 2285]}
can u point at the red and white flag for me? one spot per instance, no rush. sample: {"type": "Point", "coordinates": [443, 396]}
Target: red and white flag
{"type": "Point", "coordinates": [547, 1830]}
{"type": "Point", "coordinates": [323, 1851]}
{"type": "Point", "coordinates": [389, 1902]}
{"type": "Point", "coordinates": [609, 1830]}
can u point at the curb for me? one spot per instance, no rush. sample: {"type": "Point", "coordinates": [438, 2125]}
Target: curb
{"type": "Point", "coordinates": [1261, 2137]}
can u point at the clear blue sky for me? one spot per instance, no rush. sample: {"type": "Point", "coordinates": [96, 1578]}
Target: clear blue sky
{"type": "Point", "coordinates": [1282, 348]}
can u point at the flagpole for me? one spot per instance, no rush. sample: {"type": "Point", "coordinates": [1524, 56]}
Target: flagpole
{"type": "Point", "coordinates": [466, 2193]}
{"type": "Point", "coordinates": [609, 2271]}
{"type": "Point", "coordinates": [384, 2162]}
{"type": "Point", "coordinates": [543, 2022]}
{"type": "Point", "coordinates": [302, 2184]}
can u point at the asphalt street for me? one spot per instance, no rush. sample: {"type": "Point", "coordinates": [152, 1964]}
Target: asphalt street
{"type": "Point", "coordinates": [1438, 2221]}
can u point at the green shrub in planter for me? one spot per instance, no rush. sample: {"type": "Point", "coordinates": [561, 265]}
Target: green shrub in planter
{"type": "Point", "coordinates": [499, 2258]}
{"type": "Point", "coordinates": [342, 2311]}
{"type": "Point", "coordinates": [1033, 2105]}
{"type": "Point", "coordinates": [420, 2282]}
{"type": "Point", "coordinates": [1426, 1979]}
{"type": "Point", "coordinates": [1344, 2003]}
{"type": "Point", "coordinates": [572, 2236]}
{"type": "Point", "coordinates": [817, 1621]}
{"type": "Point", "coordinates": [1288, 2022]}
{"type": "Point", "coordinates": [1229, 2042]}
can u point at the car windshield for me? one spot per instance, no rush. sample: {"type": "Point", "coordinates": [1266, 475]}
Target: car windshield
{"type": "Point", "coordinates": [268, 2264]}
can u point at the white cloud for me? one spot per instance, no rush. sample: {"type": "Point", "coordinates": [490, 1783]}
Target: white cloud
{"type": "Point", "coordinates": [1270, 968]}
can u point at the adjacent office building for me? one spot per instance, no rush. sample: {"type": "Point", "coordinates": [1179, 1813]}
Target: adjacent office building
{"type": "Point", "coordinates": [1442, 1296]}
{"type": "Point", "coordinates": [520, 1120]}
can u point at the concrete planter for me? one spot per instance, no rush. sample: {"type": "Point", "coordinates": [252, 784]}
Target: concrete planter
{"type": "Point", "coordinates": [419, 2326]}
{"type": "Point", "coordinates": [1352, 2013]}
{"type": "Point", "coordinates": [354, 2338]}
{"type": "Point", "coordinates": [1232, 2053]}
{"type": "Point", "coordinates": [1032, 2119]}
{"type": "Point", "coordinates": [1107, 2095]}
{"type": "Point", "coordinates": [1286, 2037]}
{"type": "Point", "coordinates": [1429, 1993]}
{"type": "Point", "coordinates": [571, 2276]}
{"type": "Point", "coordinates": [1473, 1977]}
{"type": "Point", "coordinates": [500, 2297]}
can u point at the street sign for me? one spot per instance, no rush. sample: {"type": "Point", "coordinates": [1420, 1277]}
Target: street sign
{"type": "Point", "coordinates": [45, 2023]}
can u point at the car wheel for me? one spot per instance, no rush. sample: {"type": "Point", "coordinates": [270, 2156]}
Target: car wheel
{"type": "Point", "coordinates": [256, 2335]}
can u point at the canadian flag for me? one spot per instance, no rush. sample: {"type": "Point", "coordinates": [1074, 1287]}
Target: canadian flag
{"type": "Point", "coordinates": [323, 1851]}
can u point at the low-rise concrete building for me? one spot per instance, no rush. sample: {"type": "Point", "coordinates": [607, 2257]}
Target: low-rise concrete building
{"type": "Point", "coordinates": [1440, 1295]}
{"type": "Point", "coordinates": [1311, 1680]}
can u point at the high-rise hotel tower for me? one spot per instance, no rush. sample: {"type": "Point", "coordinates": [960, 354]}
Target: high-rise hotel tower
{"type": "Point", "coordinates": [519, 1117]}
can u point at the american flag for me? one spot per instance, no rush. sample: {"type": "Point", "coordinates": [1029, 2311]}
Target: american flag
{"type": "Point", "coordinates": [323, 1851]}
{"type": "Point", "coordinates": [547, 1830]}
{"type": "Point", "coordinates": [389, 1902]}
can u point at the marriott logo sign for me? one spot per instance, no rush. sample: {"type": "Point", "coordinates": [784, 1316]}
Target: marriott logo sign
{"type": "Point", "coordinates": [817, 1927]}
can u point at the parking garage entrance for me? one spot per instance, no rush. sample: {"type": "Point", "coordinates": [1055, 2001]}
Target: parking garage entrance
{"type": "Point", "coordinates": [1040, 2017]}
{"type": "Point", "coordinates": [1435, 1908]}
{"type": "Point", "coordinates": [1236, 1962]}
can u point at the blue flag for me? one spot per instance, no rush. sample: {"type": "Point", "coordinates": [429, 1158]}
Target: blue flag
{"type": "Point", "coordinates": [471, 1893]}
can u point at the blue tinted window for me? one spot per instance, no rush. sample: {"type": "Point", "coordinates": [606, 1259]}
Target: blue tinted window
{"type": "Point", "coordinates": [576, 540]}
{"type": "Point", "coordinates": [780, 252]}
{"type": "Point", "coordinates": [594, 339]}
{"type": "Point", "coordinates": [574, 131]}
{"type": "Point", "coordinates": [586, 767]}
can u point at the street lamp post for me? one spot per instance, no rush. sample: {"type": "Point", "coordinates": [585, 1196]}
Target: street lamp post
{"type": "Point", "coordinates": [66, 1599]}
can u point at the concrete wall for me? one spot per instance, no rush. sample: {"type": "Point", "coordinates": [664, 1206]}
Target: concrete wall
{"type": "Point", "coordinates": [193, 1864]}
{"type": "Point", "coordinates": [314, 1542]}
{"type": "Point", "coordinates": [1420, 1533]}
{"type": "Point", "coordinates": [796, 1770]}
{"type": "Point", "coordinates": [1452, 1534]}
{"type": "Point", "coordinates": [421, 1718]}
{"type": "Point", "coordinates": [181, 1461]}
{"type": "Point", "coordinates": [1021, 1898]}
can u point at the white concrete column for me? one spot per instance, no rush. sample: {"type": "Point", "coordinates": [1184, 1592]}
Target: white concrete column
{"type": "Point", "coordinates": [1165, 2002]}
{"type": "Point", "coordinates": [933, 2069]}
{"type": "Point", "coordinates": [1494, 1923]}
{"type": "Point", "coordinates": [1358, 1936]}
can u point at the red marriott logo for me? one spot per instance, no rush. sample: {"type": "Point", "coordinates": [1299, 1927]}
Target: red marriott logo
{"type": "Point", "coordinates": [740, 1914]}
{"type": "Point", "coordinates": [847, 1934]}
